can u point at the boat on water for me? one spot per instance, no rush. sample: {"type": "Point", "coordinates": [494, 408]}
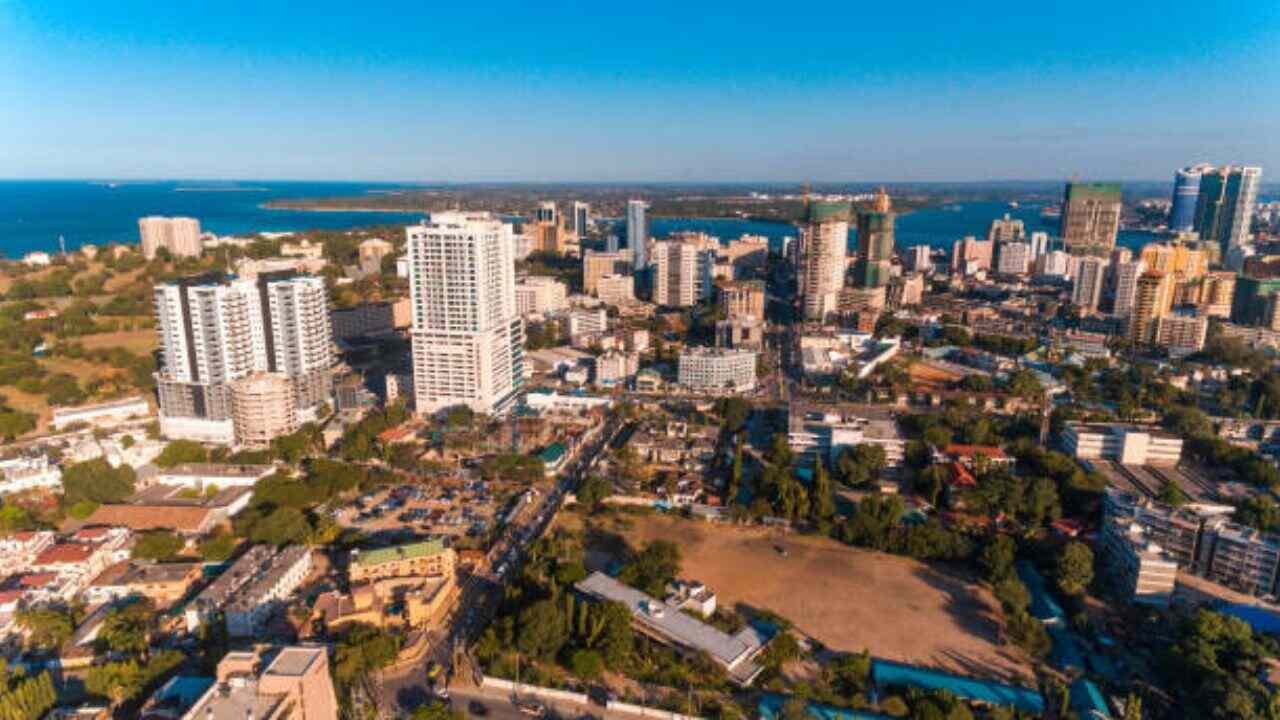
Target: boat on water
{"type": "Point", "coordinates": [1051, 212]}
{"type": "Point", "coordinates": [1013, 203]}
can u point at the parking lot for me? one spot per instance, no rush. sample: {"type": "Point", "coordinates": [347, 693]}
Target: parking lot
{"type": "Point", "coordinates": [456, 509]}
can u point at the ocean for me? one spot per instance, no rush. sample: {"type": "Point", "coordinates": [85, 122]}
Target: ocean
{"type": "Point", "coordinates": [33, 214]}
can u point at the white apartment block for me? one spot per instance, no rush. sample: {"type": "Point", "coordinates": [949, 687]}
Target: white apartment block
{"type": "Point", "coordinates": [717, 369]}
{"type": "Point", "coordinates": [682, 274]}
{"type": "Point", "coordinates": [1126, 286]}
{"type": "Point", "coordinates": [253, 604]}
{"type": "Point", "coordinates": [824, 244]}
{"type": "Point", "coordinates": [1126, 444]}
{"type": "Point", "coordinates": [1182, 334]}
{"type": "Point", "coordinates": [19, 550]}
{"type": "Point", "coordinates": [21, 474]}
{"type": "Point", "coordinates": [468, 338]}
{"type": "Point", "coordinates": [586, 322]}
{"type": "Point", "coordinates": [1014, 258]}
{"type": "Point", "coordinates": [1142, 568]}
{"type": "Point", "coordinates": [615, 368]}
{"type": "Point", "coordinates": [616, 289]}
{"type": "Point", "coordinates": [214, 331]}
{"type": "Point", "coordinates": [539, 295]}
{"type": "Point", "coordinates": [179, 235]}
{"type": "Point", "coordinates": [1088, 280]}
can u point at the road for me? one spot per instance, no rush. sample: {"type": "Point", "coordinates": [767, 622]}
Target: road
{"type": "Point", "coordinates": [404, 686]}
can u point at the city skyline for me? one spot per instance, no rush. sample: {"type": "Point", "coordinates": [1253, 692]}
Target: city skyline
{"type": "Point", "coordinates": [462, 96]}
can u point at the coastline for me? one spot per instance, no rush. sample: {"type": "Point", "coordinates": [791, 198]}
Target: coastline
{"type": "Point", "coordinates": [357, 209]}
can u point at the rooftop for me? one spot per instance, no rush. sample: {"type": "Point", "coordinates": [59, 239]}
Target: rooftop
{"type": "Point", "coordinates": [152, 517]}
{"type": "Point", "coordinates": [65, 553]}
{"type": "Point", "coordinates": [219, 470]}
{"type": "Point", "coordinates": [398, 552]}
{"type": "Point", "coordinates": [295, 660]}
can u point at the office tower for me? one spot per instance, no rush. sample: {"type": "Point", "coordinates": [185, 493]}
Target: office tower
{"type": "Point", "coordinates": [179, 235]}
{"type": "Point", "coordinates": [875, 242]}
{"type": "Point", "coordinates": [743, 300]}
{"type": "Point", "coordinates": [1006, 229]}
{"type": "Point", "coordinates": [546, 212]}
{"type": "Point", "coordinates": [920, 258]}
{"type": "Point", "coordinates": [1152, 301]}
{"type": "Point", "coordinates": [971, 255]}
{"type": "Point", "coordinates": [1126, 286]}
{"type": "Point", "coordinates": [214, 331]}
{"type": "Point", "coordinates": [1090, 218]}
{"type": "Point", "coordinates": [596, 265]}
{"type": "Point", "coordinates": [824, 243]}
{"type": "Point", "coordinates": [1039, 244]}
{"type": "Point", "coordinates": [1088, 281]}
{"type": "Point", "coordinates": [1014, 258]}
{"type": "Point", "coordinates": [638, 233]}
{"type": "Point", "coordinates": [1216, 293]}
{"type": "Point", "coordinates": [682, 273]}
{"type": "Point", "coordinates": [581, 218]}
{"type": "Point", "coordinates": [263, 408]}
{"type": "Point", "coordinates": [468, 338]}
{"type": "Point", "coordinates": [1186, 193]}
{"type": "Point", "coordinates": [1224, 208]}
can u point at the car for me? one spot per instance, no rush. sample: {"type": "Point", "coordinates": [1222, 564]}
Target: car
{"type": "Point", "coordinates": [477, 708]}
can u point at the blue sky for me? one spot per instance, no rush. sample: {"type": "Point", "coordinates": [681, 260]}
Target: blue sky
{"type": "Point", "coordinates": [432, 91]}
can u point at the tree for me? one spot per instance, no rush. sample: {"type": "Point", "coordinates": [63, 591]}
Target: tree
{"type": "Point", "coordinates": [542, 629]}
{"type": "Point", "coordinates": [1024, 384]}
{"type": "Point", "coordinates": [586, 664]}
{"type": "Point", "coordinates": [1074, 568]}
{"type": "Point", "coordinates": [217, 547]}
{"type": "Point", "coordinates": [157, 545]}
{"type": "Point", "coordinates": [182, 451]}
{"type": "Point", "coordinates": [860, 464]}
{"type": "Point", "coordinates": [361, 650]}
{"type": "Point", "coordinates": [436, 710]}
{"type": "Point", "coordinates": [997, 558]}
{"type": "Point", "coordinates": [822, 503]}
{"type": "Point", "coordinates": [735, 411]}
{"type": "Point", "coordinates": [284, 526]}
{"type": "Point", "coordinates": [653, 568]}
{"type": "Point", "coordinates": [1172, 495]}
{"type": "Point", "coordinates": [96, 481]}
{"type": "Point", "coordinates": [25, 697]}
{"type": "Point", "coordinates": [593, 491]}
{"type": "Point", "coordinates": [128, 629]}
{"type": "Point", "coordinates": [47, 628]}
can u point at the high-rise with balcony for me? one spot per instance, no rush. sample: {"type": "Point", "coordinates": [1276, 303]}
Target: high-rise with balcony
{"type": "Point", "coordinates": [1224, 208]}
{"type": "Point", "coordinates": [1090, 218]}
{"type": "Point", "coordinates": [215, 330]}
{"type": "Point", "coordinates": [1087, 283]}
{"type": "Point", "coordinates": [1006, 229]}
{"type": "Point", "coordinates": [638, 233]}
{"type": "Point", "coordinates": [581, 218]}
{"type": "Point", "coordinates": [1152, 301]}
{"type": "Point", "coordinates": [468, 338]}
{"type": "Point", "coordinates": [1186, 191]}
{"type": "Point", "coordinates": [682, 273]}
{"type": "Point", "coordinates": [824, 241]}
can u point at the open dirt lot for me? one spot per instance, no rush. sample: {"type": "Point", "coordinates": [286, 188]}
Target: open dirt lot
{"type": "Point", "coordinates": [141, 342]}
{"type": "Point", "coordinates": [847, 598]}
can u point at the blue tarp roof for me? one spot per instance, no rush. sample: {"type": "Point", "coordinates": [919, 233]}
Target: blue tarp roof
{"type": "Point", "coordinates": [886, 673]}
{"type": "Point", "coordinates": [1259, 618]}
{"type": "Point", "coordinates": [1087, 700]}
{"type": "Point", "coordinates": [1043, 606]}
{"type": "Point", "coordinates": [554, 452]}
{"type": "Point", "coordinates": [770, 707]}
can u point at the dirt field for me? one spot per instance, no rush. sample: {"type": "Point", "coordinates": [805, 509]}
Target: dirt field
{"type": "Point", "coordinates": [847, 598]}
{"type": "Point", "coordinates": [140, 342]}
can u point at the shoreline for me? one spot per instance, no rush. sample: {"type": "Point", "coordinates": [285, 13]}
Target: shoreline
{"type": "Point", "coordinates": [268, 206]}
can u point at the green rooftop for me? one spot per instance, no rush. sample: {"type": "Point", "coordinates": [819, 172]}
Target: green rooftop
{"type": "Point", "coordinates": [825, 211]}
{"type": "Point", "coordinates": [552, 453]}
{"type": "Point", "coordinates": [399, 552]}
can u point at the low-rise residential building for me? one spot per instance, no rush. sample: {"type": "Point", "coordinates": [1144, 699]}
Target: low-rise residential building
{"type": "Point", "coordinates": [541, 295]}
{"type": "Point", "coordinates": [18, 550]}
{"type": "Point", "coordinates": [420, 559]}
{"type": "Point", "coordinates": [1181, 333]}
{"type": "Point", "coordinates": [162, 583]}
{"type": "Point", "coordinates": [832, 353]}
{"type": "Point", "coordinates": [615, 368]}
{"type": "Point", "coordinates": [258, 600]}
{"type": "Point", "coordinates": [1124, 443]}
{"type": "Point", "coordinates": [1242, 558]}
{"type": "Point", "coordinates": [172, 507]}
{"type": "Point", "coordinates": [295, 685]}
{"type": "Point", "coordinates": [717, 369]}
{"type": "Point", "coordinates": [215, 597]}
{"type": "Point", "coordinates": [101, 414]}
{"type": "Point", "coordinates": [616, 289]}
{"type": "Point", "coordinates": [1141, 569]}
{"type": "Point", "coordinates": [817, 432]}
{"type": "Point", "coordinates": [586, 322]}
{"type": "Point", "coordinates": [202, 476]}
{"type": "Point", "coordinates": [21, 474]}
{"type": "Point", "coordinates": [735, 653]}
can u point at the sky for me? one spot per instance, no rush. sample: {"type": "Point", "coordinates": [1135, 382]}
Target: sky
{"type": "Point", "coordinates": [636, 91]}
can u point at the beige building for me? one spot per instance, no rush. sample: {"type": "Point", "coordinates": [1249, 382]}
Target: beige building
{"type": "Point", "coordinates": [1090, 218]}
{"type": "Point", "coordinates": [1183, 262]}
{"type": "Point", "coordinates": [263, 408]}
{"type": "Point", "coordinates": [616, 289]}
{"type": "Point", "coordinates": [823, 249]}
{"type": "Point", "coordinates": [1152, 300]}
{"type": "Point", "coordinates": [682, 273]}
{"type": "Point", "coordinates": [906, 290]}
{"type": "Point", "coordinates": [294, 686]}
{"type": "Point", "coordinates": [421, 559]}
{"type": "Point", "coordinates": [1181, 333]}
{"type": "Point", "coordinates": [179, 235]}
{"type": "Point", "coordinates": [1217, 290]}
{"type": "Point", "coordinates": [303, 249]}
{"type": "Point", "coordinates": [596, 265]}
{"type": "Point", "coordinates": [747, 252]}
{"type": "Point", "coordinates": [371, 252]}
{"type": "Point", "coordinates": [540, 295]}
{"type": "Point", "coordinates": [743, 300]}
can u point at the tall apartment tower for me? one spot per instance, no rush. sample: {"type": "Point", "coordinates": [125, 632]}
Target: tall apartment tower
{"type": "Point", "coordinates": [1152, 301]}
{"type": "Point", "coordinates": [682, 273]}
{"type": "Point", "coordinates": [1090, 218]}
{"type": "Point", "coordinates": [1186, 191]}
{"type": "Point", "coordinates": [468, 338]}
{"type": "Point", "coordinates": [824, 243]}
{"type": "Point", "coordinates": [638, 233]}
{"type": "Point", "coordinates": [215, 331]}
{"type": "Point", "coordinates": [581, 218]}
{"type": "Point", "coordinates": [1126, 286]}
{"type": "Point", "coordinates": [1088, 281]}
{"type": "Point", "coordinates": [179, 235]}
{"type": "Point", "coordinates": [1039, 244]}
{"type": "Point", "coordinates": [1006, 229]}
{"type": "Point", "coordinates": [875, 242]}
{"type": "Point", "coordinates": [1224, 208]}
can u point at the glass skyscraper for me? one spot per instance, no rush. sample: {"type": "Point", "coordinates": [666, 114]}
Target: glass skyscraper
{"type": "Point", "coordinates": [1186, 191]}
{"type": "Point", "coordinates": [1224, 208]}
{"type": "Point", "coordinates": [638, 233]}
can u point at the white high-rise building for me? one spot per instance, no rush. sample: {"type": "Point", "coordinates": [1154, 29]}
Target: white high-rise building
{"type": "Point", "coordinates": [214, 331]}
{"type": "Point", "coordinates": [1013, 258]}
{"type": "Point", "coordinates": [920, 258]}
{"type": "Point", "coordinates": [1088, 279]}
{"type": "Point", "coordinates": [1126, 285]}
{"type": "Point", "coordinates": [638, 233]}
{"type": "Point", "coordinates": [682, 274]}
{"type": "Point", "coordinates": [581, 218]}
{"type": "Point", "coordinates": [468, 338]}
{"type": "Point", "coordinates": [1039, 244]}
{"type": "Point", "coordinates": [824, 245]}
{"type": "Point", "coordinates": [179, 235]}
